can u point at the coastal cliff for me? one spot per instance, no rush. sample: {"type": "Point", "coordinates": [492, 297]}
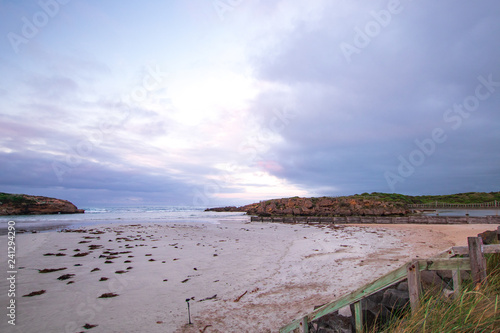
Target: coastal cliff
{"type": "Point", "coordinates": [22, 204]}
{"type": "Point", "coordinates": [325, 206]}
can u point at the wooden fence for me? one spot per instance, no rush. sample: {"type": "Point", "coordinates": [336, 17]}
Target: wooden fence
{"type": "Point", "coordinates": [434, 205]}
{"type": "Point", "coordinates": [410, 271]}
{"type": "Point", "coordinates": [416, 219]}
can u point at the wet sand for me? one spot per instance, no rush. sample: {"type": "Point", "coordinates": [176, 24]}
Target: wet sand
{"type": "Point", "coordinates": [238, 276]}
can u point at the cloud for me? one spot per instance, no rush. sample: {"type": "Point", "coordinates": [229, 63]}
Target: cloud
{"type": "Point", "coordinates": [355, 118]}
{"type": "Point", "coordinates": [35, 170]}
{"type": "Point", "coordinates": [53, 87]}
{"type": "Point", "coordinates": [264, 103]}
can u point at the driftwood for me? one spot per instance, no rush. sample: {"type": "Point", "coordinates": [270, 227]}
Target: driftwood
{"type": "Point", "coordinates": [208, 298]}
{"type": "Point", "coordinates": [239, 297]}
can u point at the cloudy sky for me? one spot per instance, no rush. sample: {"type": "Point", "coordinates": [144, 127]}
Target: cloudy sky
{"type": "Point", "coordinates": [212, 102]}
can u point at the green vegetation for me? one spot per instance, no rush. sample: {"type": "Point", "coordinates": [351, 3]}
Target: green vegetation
{"type": "Point", "coordinates": [14, 198]}
{"type": "Point", "coordinates": [477, 310]}
{"type": "Point", "coordinates": [459, 198]}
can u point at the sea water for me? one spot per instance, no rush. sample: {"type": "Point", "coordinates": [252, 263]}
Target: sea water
{"type": "Point", "coordinates": [146, 214]}
{"type": "Point", "coordinates": [462, 212]}
{"type": "Point", "coordinates": [123, 215]}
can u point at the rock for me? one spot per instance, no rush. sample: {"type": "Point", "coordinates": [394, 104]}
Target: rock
{"type": "Point", "coordinates": [403, 286]}
{"type": "Point", "coordinates": [431, 280]}
{"type": "Point", "coordinates": [331, 323]}
{"type": "Point", "coordinates": [22, 204]}
{"type": "Point", "coordinates": [377, 297]}
{"type": "Point", "coordinates": [224, 209]}
{"type": "Point", "coordinates": [373, 312]}
{"type": "Point", "coordinates": [489, 237]}
{"type": "Point", "coordinates": [325, 203]}
{"type": "Point", "coordinates": [448, 275]}
{"type": "Point", "coordinates": [395, 299]}
{"type": "Point", "coordinates": [320, 207]}
{"type": "Point", "coordinates": [345, 311]}
{"type": "Point", "coordinates": [344, 212]}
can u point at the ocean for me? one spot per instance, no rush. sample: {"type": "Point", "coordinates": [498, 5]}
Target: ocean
{"type": "Point", "coordinates": [146, 214]}
{"type": "Point", "coordinates": [462, 212]}
{"type": "Point", "coordinates": [109, 215]}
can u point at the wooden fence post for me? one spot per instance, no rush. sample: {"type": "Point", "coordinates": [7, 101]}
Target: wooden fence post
{"type": "Point", "coordinates": [304, 325]}
{"type": "Point", "coordinates": [457, 283]}
{"type": "Point", "coordinates": [358, 317]}
{"type": "Point", "coordinates": [414, 286]}
{"type": "Point", "coordinates": [477, 260]}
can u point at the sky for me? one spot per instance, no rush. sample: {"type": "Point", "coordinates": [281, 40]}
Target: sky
{"type": "Point", "coordinates": [228, 102]}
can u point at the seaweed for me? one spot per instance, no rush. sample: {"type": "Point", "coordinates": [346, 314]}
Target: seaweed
{"type": "Point", "coordinates": [89, 326]}
{"type": "Point", "coordinates": [50, 270]}
{"type": "Point", "coordinates": [65, 277]}
{"type": "Point", "coordinates": [35, 293]}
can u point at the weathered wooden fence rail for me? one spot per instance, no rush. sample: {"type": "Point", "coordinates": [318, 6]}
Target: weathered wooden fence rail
{"type": "Point", "coordinates": [434, 205]}
{"type": "Point", "coordinates": [410, 271]}
{"type": "Point", "coordinates": [420, 219]}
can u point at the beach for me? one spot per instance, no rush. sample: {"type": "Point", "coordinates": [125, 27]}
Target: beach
{"type": "Point", "coordinates": [238, 276]}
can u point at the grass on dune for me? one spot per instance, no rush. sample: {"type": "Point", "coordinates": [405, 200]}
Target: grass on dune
{"type": "Point", "coordinates": [476, 310]}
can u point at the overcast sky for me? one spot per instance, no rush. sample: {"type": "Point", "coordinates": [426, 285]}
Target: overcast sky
{"type": "Point", "coordinates": [214, 102]}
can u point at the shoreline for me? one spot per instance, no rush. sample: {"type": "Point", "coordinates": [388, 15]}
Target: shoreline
{"type": "Point", "coordinates": [264, 274]}
{"type": "Point", "coordinates": [50, 223]}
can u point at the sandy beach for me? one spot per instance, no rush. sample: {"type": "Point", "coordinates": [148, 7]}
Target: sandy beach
{"type": "Point", "coordinates": [238, 276]}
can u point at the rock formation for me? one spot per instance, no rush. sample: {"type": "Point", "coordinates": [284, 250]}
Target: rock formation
{"type": "Point", "coordinates": [22, 204]}
{"type": "Point", "coordinates": [324, 206]}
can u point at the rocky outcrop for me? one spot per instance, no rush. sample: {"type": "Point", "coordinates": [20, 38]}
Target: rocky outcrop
{"type": "Point", "coordinates": [22, 204]}
{"type": "Point", "coordinates": [225, 209]}
{"type": "Point", "coordinates": [325, 206]}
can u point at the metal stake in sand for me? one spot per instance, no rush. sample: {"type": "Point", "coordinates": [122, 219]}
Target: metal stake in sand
{"type": "Point", "coordinates": [189, 311]}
